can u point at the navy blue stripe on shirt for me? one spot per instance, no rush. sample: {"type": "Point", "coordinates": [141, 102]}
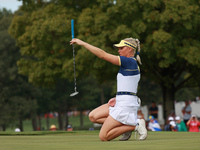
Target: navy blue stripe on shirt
{"type": "Point", "coordinates": [129, 66]}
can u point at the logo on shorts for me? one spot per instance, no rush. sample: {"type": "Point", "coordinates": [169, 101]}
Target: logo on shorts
{"type": "Point", "coordinates": [139, 101]}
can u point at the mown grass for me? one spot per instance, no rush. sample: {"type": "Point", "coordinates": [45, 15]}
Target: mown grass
{"type": "Point", "coordinates": [88, 140]}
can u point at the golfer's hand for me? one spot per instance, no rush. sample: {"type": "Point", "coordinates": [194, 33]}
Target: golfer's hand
{"type": "Point", "coordinates": [76, 41]}
{"type": "Point", "coordinates": [112, 102]}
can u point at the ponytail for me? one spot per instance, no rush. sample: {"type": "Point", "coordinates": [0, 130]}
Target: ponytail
{"type": "Point", "coordinates": [135, 42]}
{"type": "Point", "coordinates": [138, 52]}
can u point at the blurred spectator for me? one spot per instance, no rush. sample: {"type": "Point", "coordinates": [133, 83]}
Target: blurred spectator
{"type": "Point", "coordinates": [168, 126]}
{"type": "Point", "coordinates": [153, 110]}
{"type": "Point", "coordinates": [172, 115]}
{"type": "Point", "coordinates": [186, 112]}
{"type": "Point", "coordinates": [140, 115]}
{"type": "Point", "coordinates": [153, 124]}
{"type": "Point", "coordinates": [173, 126]}
{"type": "Point", "coordinates": [193, 124]}
{"type": "Point", "coordinates": [91, 129]}
{"type": "Point", "coordinates": [17, 130]}
{"type": "Point", "coordinates": [180, 124]}
{"type": "Point", "coordinates": [55, 114]}
{"type": "Point", "coordinates": [69, 128]}
{"type": "Point", "coordinates": [53, 127]}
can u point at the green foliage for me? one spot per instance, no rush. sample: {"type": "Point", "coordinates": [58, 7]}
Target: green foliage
{"type": "Point", "coordinates": [43, 42]}
{"type": "Point", "coordinates": [90, 92]}
{"type": "Point", "coordinates": [5, 19]}
{"type": "Point", "coordinates": [7, 67]}
{"type": "Point", "coordinates": [13, 87]}
{"type": "Point", "coordinates": [168, 31]}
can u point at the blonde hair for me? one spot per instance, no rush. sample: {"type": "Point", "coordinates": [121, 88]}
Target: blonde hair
{"type": "Point", "coordinates": [135, 42]}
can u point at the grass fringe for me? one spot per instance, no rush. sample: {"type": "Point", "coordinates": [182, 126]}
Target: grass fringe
{"type": "Point", "coordinates": [27, 133]}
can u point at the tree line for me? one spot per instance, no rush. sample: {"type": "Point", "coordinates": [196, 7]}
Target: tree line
{"type": "Point", "coordinates": [37, 73]}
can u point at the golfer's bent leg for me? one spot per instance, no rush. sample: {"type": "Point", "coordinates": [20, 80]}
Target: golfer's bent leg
{"type": "Point", "coordinates": [99, 114]}
{"type": "Point", "coordinates": [112, 129]}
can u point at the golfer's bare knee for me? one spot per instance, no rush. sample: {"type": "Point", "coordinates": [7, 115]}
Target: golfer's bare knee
{"type": "Point", "coordinates": [91, 117]}
{"type": "Point", "coordinates": [103, 137]}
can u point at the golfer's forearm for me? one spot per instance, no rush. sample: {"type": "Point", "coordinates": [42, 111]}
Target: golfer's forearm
{"type": "Point", "coordinates": [95, 50]}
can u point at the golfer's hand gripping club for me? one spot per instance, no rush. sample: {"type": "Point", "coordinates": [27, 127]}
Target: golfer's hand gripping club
{"type": "Point", "coordinates": [72, 31]}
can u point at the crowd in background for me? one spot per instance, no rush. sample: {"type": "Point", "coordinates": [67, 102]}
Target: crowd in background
{"type": "Point", "coordinates": [189, 122]}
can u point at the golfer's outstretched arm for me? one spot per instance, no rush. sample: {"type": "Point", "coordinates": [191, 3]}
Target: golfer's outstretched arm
{"type": "Point", "coordinates": [97, 51]}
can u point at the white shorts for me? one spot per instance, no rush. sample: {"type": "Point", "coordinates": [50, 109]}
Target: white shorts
{"type": "Point", "coordinates": [124, 114]}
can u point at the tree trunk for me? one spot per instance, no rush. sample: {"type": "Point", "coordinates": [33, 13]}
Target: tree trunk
{"type": "Point", "coordinates": [66, 121]}
{"type": "Point", "coordinates": [60, 122]}
{"type": "Point", "coordinates": [34, 122]}
{"type": "Point", "coordinates": [65, 117]}
{"type": "Point", "coordinates": [39, 122]}
{"type": "Point", "coordinates": [102, 96]}
{"type": "Point", "coordinates": [34, 119]}
{"type": "Point", "coordinates": [81, 118]}
{"type": "Point", "coordinates": [20, 124]}
{"type": "Point", "coordinates": [48, 121]}
{"type": "Point", "coordinates": [4, 127]}
{"type": "Point", "coordinates": [168, 100]}
{"type": "Point", "coordinates": [33, 113]}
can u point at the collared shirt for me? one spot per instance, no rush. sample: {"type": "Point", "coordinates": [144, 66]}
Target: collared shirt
{"type": "Point", "coordinates": [187, 115]}
{"type": "Point", "coordinates": [127, 80]}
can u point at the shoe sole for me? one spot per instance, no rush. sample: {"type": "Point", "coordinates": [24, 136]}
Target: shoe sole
{"type": "Point", "coordinates": [125, 139]}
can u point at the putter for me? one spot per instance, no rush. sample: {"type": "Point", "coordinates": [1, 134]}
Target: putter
{"type": "Point", "coordinates": [72, 29]}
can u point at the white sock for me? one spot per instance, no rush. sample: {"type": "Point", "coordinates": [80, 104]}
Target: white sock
{"type": "Point", "coordinates": [137, 120]}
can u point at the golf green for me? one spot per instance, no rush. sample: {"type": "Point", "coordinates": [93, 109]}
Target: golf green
{"type": "Point", "coordinates": [89, 140]}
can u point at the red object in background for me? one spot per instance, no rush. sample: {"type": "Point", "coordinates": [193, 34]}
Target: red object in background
{"type": "Point", "coordinates": [50, 115]}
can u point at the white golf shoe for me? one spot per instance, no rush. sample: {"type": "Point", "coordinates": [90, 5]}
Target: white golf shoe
{"type": "Point", "coordinates": [126, 136]}
{"type": "Point", "coordinates": [141, 129]}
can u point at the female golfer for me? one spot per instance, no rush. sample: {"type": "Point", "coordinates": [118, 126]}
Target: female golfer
{"type": "Point", "coordinates": [119, 115]}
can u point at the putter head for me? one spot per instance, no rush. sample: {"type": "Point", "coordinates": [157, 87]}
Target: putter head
{"type": "Point", "coordinates": [73, 94]}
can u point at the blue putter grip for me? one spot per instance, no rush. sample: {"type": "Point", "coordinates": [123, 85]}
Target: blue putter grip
{"type": "Point", "coordinates": [72, 28]}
